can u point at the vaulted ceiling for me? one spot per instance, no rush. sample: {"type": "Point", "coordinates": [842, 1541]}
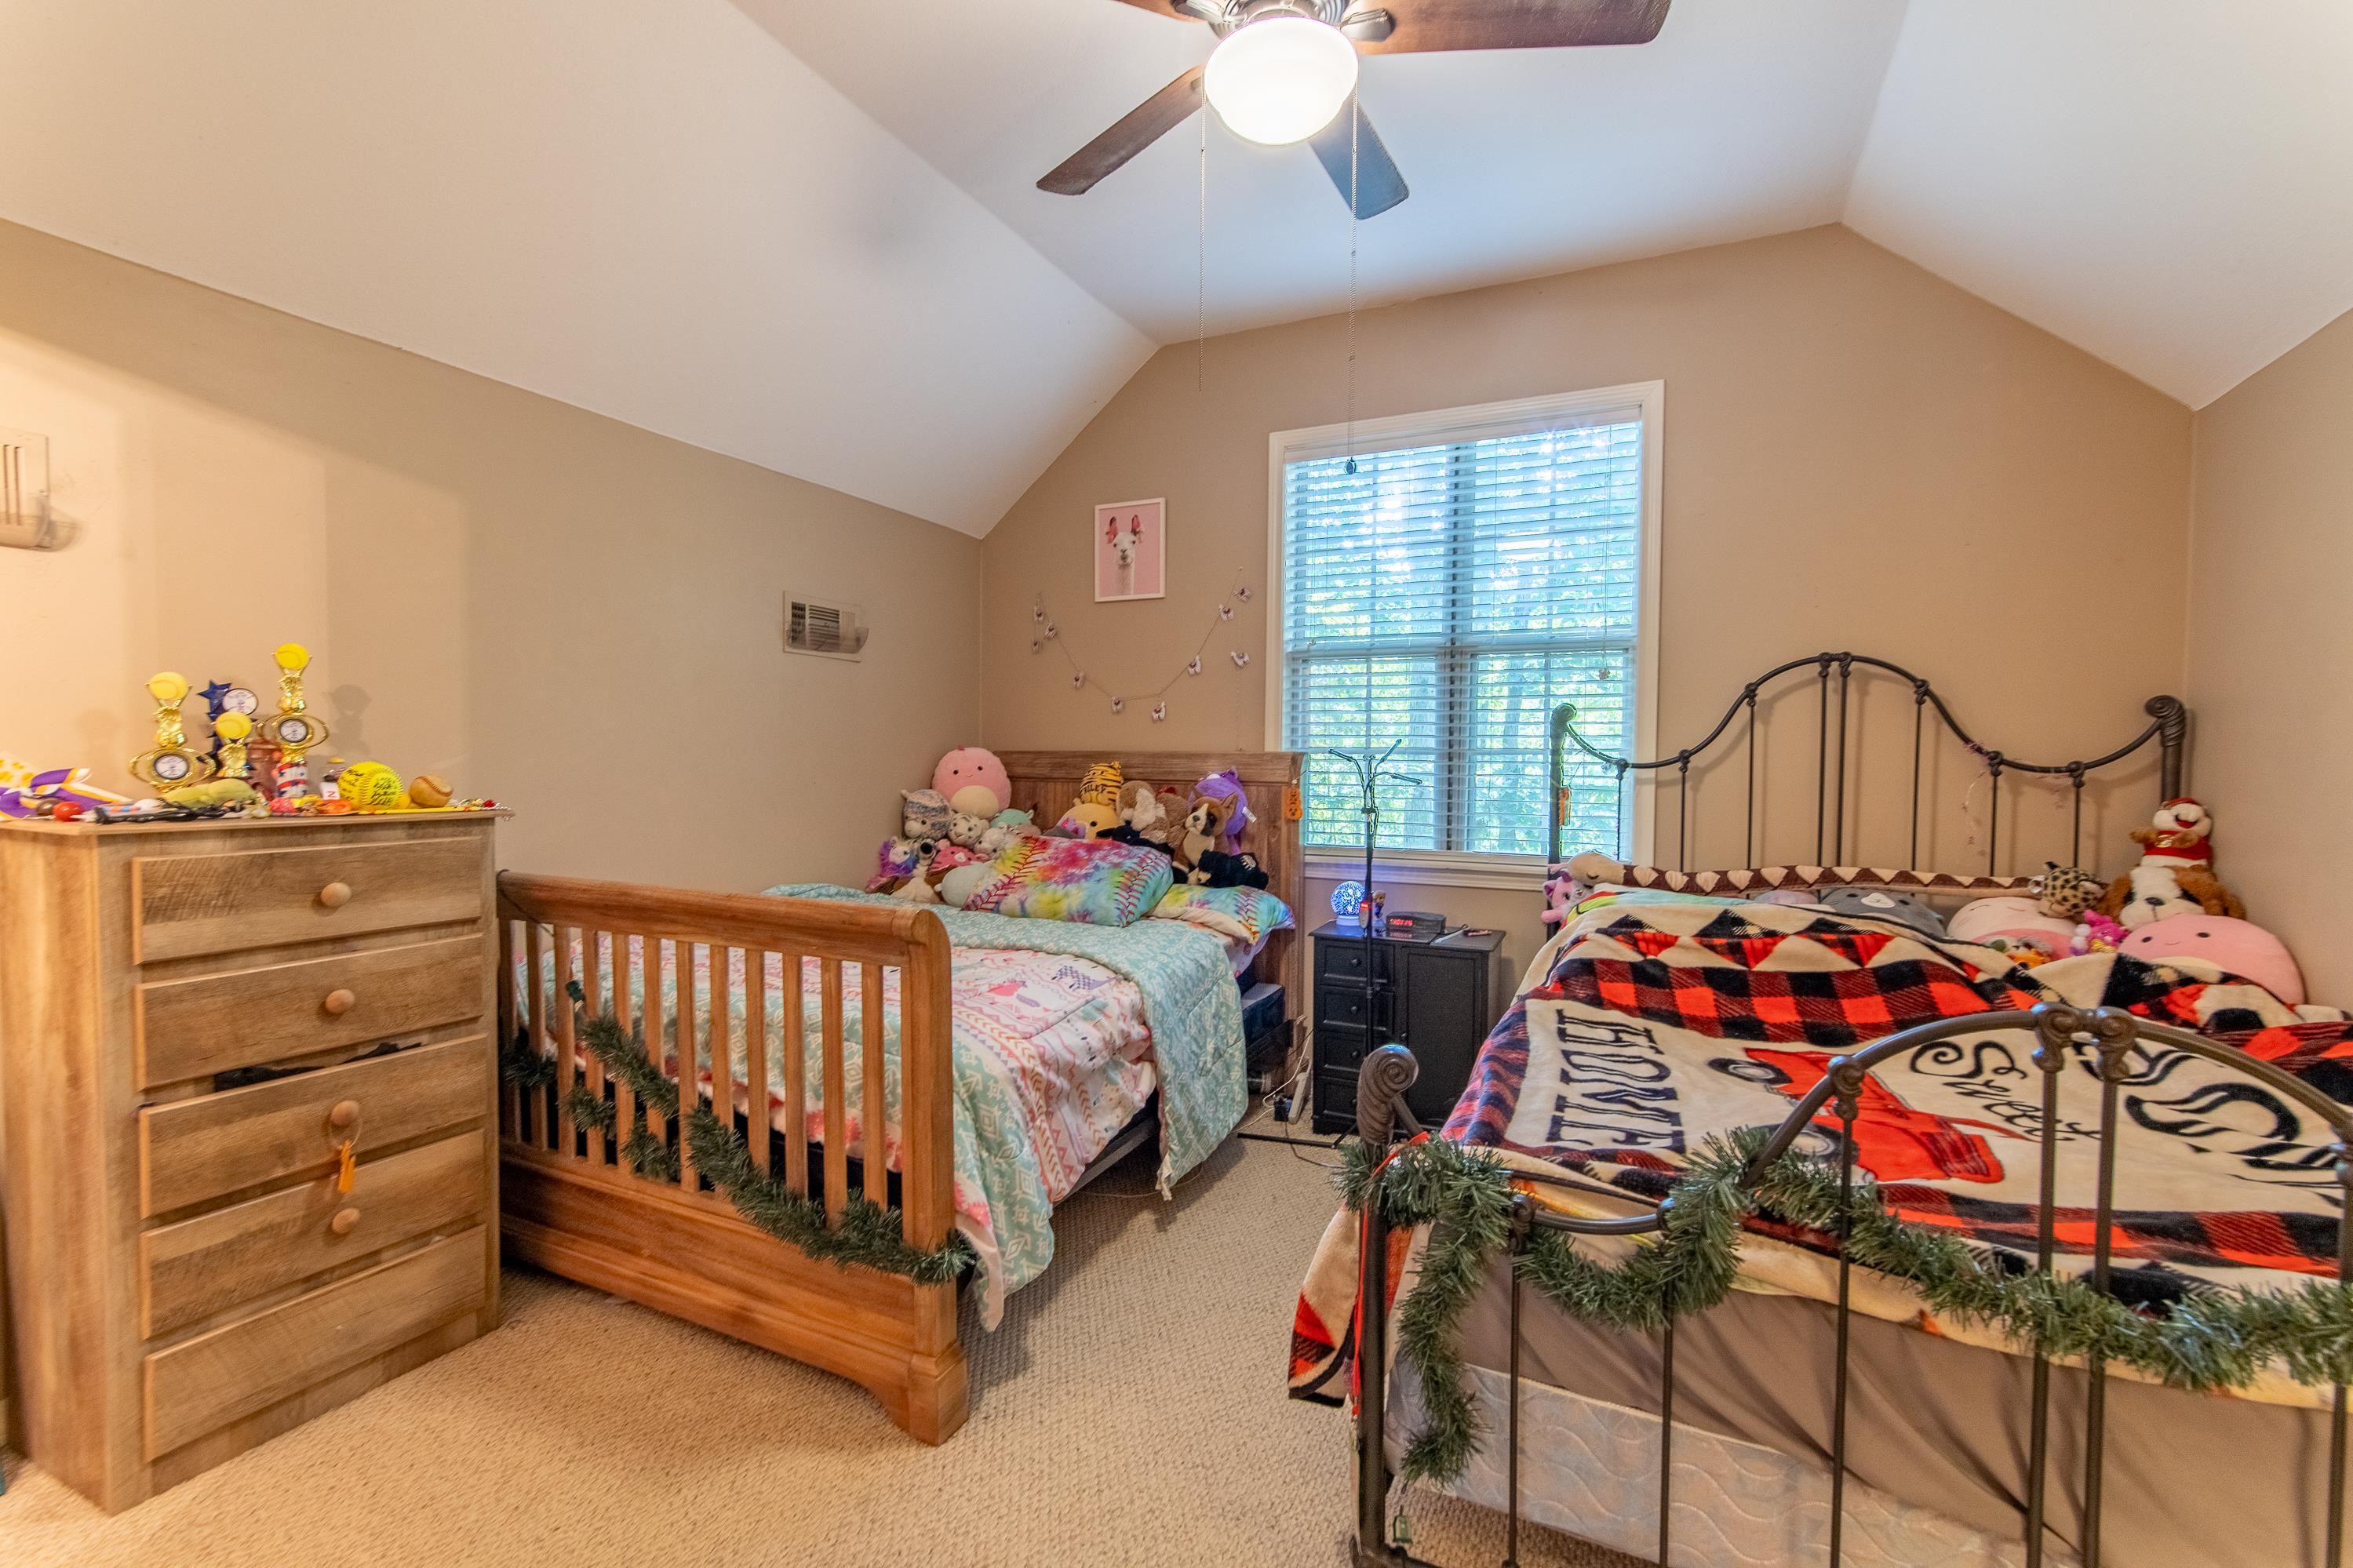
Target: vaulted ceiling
{"type": "Point", "coordinates": [807, 234]}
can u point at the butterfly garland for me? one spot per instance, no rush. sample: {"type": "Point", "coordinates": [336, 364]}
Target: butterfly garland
{"type": "Point", "coordinates": [1043, 630]}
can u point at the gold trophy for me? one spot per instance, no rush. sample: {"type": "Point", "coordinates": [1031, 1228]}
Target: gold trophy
{"type": "Point", "coordinates": [294, 730]}
{"type": "Point", "coordinates": [233, 728]}
{"type": "Point", "coordinates": [170, 764]}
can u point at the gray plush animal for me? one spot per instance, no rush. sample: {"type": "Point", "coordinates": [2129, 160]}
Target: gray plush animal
{"type": "Point", "coordinates": [1885, 904]}
{"type": "Point", "coordinates": [924, 814]}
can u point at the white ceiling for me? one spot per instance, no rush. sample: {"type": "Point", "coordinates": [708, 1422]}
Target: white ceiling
{"type": "Point", "coordinates": [644, 207]}
{"type": "Point", "coordinates": [1742, 119]}
{"type": "Point", "coordinates": [2168, 184]}
{"type": "Point", "coordinates": [828, 257]}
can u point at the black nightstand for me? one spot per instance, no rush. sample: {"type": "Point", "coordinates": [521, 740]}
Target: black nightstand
{"type": "Point", "coordinates": [1435, 998]}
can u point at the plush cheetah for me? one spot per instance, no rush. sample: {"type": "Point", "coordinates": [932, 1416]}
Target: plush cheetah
{"type": "Point", "coordinates": [2064, 892]}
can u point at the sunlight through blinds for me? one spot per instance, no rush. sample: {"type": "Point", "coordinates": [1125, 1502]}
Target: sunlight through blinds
{"type": "Point", "coordinates": [1448, 597]}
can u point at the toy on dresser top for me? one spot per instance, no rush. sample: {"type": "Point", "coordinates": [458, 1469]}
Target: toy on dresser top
{"type": "Point", "coordinates": [252, 768]}
{"type": "Point", "coordinates": [953, 832]}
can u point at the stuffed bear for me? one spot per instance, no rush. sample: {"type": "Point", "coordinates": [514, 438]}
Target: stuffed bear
{"type": "Point", "coordinates": [2175, 874]}
{"type": "Point", "coordinates": [1204, 831]}
{"type": "Point", "coordinates": [924, 814]}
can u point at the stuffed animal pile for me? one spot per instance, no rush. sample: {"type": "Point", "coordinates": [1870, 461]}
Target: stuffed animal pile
{"type": "Point", "coordinates": [951, 832]}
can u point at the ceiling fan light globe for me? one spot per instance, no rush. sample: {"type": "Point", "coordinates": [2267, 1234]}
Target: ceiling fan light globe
{"type": "Point", "coordinates": [1281, 79]}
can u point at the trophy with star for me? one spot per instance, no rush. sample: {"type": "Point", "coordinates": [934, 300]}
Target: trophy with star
{"type": "Point", "coordinates": [293, 729]}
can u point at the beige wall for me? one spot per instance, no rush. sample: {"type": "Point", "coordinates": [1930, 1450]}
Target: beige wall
{"type": "Point", "coordinates": [564, 612]}
{"type": "Point", "coordinates": [1857, 454]}
{"type": "Point", "coordinates": [2271, 655]}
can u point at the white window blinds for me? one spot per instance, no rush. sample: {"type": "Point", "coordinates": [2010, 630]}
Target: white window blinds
{"type": "Point", "coordinates": [1449, 595]}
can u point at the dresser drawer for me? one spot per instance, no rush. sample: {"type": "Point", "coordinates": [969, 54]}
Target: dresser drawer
{"type": "Point", "coordinates": [199, 1266]}
{"type": "Point", "coordinates": [187, 905]}
{"type": "Point", "coordinates": [189, 1028]}
{"type": "Point", "coordinates": [254, 1362]}
{"type": "Point", "coordinates": [191, 1150]}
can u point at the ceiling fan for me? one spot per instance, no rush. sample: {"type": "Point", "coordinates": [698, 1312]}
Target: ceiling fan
{"type": "Point", "coordinates": [1284, 69]}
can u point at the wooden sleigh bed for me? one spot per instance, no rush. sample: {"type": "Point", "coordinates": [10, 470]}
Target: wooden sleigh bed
{"type": "Point", "coordinates": [570, 1205]}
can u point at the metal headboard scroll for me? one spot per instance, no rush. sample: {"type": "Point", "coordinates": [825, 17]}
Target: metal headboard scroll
{"type": "Point", "coordinates": [2168, 728]}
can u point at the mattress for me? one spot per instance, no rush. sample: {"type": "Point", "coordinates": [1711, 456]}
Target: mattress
{"type": "Point", "coordinates": [1936, 1445]}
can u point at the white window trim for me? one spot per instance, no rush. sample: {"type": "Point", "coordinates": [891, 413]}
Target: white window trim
{"type": "Point", "coordinates": [1465, 868]}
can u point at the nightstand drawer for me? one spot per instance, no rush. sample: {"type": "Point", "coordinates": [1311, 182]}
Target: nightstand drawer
{"type": "Point", "coordinates": [183, 906]}
{"type": "Point", "coordinates": [1343, 958]}
{"type": "Point", "coordinates": [191, 1150]}
{"type": "Point", "coordinates": [249, 1365]}
{"type": "Point", "coordinates": [189, 1028]}
{"type": "Point", "coordinates": [199, 1266]}
{"type": "Point", "coordinates": [1347, 1005]}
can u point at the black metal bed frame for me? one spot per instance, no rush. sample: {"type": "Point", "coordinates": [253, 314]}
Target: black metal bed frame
{"type": "Point", "coordinates": [2104, 1040]}
{"type": "Point", "coordinates": [2169, 726]}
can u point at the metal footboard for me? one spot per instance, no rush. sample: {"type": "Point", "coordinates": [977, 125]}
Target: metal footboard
{"type": "Point", "coordinates": [2112, 1035]}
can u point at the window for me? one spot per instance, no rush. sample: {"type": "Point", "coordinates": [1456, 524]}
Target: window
{"type": "Point", "coordinates": [1476, 569]}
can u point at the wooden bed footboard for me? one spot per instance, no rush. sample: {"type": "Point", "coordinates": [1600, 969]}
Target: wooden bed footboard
{"type": "Point", "coordinates": [571, 1202]}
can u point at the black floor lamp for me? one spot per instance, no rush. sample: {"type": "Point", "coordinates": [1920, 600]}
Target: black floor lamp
{"type": "Point", "coordinates": [1371, 769]}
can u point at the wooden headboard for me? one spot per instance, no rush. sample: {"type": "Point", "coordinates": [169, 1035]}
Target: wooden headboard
{"type": "Point", "coordinates": [1046, 783]}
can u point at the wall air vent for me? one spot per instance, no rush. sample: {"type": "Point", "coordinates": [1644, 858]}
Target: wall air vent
{"type": "Point", "coordinates": [832, 630]}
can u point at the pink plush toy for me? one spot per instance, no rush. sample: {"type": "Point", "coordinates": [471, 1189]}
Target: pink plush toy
{"type": "Point", "coordinates": [2018, 922]}
{"type": "Point", "coordinates": [971, 767]}
{"type": "Point", "coordinates": [2235, 947]}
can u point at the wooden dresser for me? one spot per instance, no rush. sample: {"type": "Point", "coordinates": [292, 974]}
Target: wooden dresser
{"type": "Point", "coordinates": [197, 1020]}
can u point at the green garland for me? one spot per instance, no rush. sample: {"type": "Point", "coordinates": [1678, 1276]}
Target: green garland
{"type": "Point", "coordinates": [867, 1232]}
{"type": "Point", "coordinates": [2214, 1339]}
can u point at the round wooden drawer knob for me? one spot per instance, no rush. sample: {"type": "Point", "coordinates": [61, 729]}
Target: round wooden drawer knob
{"type": "Point", "coordinates": [346, 1112]}
{"type": "Point", "coordinates": [335, 895]}
{"type": "Point", "coordinates": [339, 1002]}
{"type": "Point", "coordinates": [345, 1222]}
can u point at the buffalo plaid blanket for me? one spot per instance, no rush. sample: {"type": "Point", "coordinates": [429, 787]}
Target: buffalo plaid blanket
{"type": "Point", "coordinates": [1654, 1025]}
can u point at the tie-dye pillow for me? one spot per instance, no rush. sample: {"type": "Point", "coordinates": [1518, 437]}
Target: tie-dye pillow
{"type": "Point", "coordinates": [1093, 881]}
{"type": "Point", "coordinates": [1242, 914]}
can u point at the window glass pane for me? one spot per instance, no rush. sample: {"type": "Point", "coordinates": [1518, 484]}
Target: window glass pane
{"type": "Point", "coordinates": [1328, 712]}
{"type": "Point", "coordinates": [1486, 580]}
{"type": "Point", "coordinates": [1512, 698]}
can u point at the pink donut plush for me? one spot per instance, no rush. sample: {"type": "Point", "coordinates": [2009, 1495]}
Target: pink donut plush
{"type": "Point", "coordinates": [2235, 947]}
{"type": "Point", "coordinates": [970, 767]}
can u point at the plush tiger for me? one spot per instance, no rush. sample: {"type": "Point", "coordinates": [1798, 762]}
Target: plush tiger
{"type": "Point", "coordinates": [2065, 891]}
{"type": "Point", "coordinates": [1101, 785]}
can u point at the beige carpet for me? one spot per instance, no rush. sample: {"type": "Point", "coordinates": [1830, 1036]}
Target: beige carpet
{"type": "Point", "coordinates": [1129, 1411]}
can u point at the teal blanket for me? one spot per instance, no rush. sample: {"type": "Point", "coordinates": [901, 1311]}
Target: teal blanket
{"type": "Point", "coordinates": [1191, 1003]}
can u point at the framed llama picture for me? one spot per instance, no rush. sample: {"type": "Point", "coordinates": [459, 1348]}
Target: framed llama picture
{"type": "Point", "coordinates": [1130, 548]}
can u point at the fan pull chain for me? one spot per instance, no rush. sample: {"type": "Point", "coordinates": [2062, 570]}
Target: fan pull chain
{"type": "Point", "coordinates": [1355, 140]}
{"type": "Point", "coordinates": [1201, 274]}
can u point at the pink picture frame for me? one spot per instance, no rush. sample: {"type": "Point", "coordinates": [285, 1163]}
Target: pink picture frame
{"type": "Point", "coordinates": [1131, 551]}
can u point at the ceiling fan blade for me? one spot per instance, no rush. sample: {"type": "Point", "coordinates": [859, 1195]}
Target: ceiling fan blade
{"type": "Point", "coordinates": [1379, 185]}
{"type": "Point", "coordinates": [1142, 126]}
{"type": "Point", "coordinates": [1428, 26]}
{"type": "Point", "coordinates": [1180, 10]}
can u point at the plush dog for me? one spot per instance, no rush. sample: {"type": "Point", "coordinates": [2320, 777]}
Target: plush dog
{"type": "Point", "coordinates": [1142, 809]}
{"type": "Point", "coordinates": [1204, 830]}
{"type": "Point", "coordinates": [2175, 874]}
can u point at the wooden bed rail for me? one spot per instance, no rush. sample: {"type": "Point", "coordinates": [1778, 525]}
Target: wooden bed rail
{"type": "Point", "coordinates": [691, 972]}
